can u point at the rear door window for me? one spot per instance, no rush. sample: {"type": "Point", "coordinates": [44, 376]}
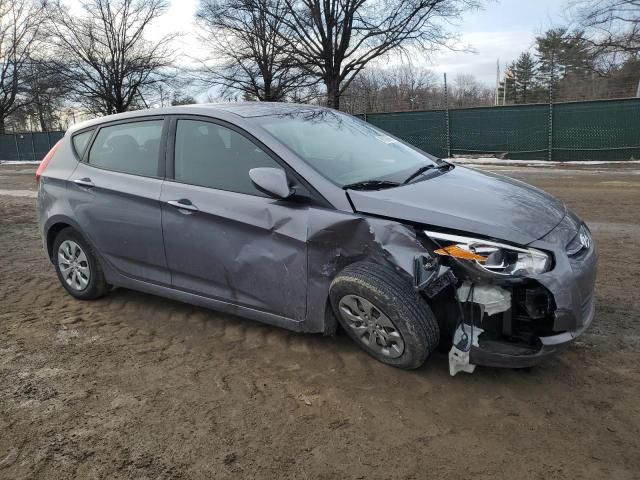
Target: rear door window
{"type": "Point", "coordinates": [210, 155]}
{"type": "Point", "coordinates": [132, 147]}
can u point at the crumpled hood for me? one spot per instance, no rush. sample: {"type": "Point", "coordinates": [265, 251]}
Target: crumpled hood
{"type": "Point", "coordinates": [470, 201]}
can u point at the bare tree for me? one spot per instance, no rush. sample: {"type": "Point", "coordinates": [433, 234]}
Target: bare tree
{"type": "Point", "coordinates": [181, 99]}
{"type": "Point", "coordinates": [247, 36]}
{"type": "Point", "coordinates": [364, 92]}
{"type": "Point", "coordinates": [467, 91]}
{"type": "Point", "coordinates": [334, 40]}
{"type": "Point", "coordinates": [103, 52]}
{"type": "Point", "coordinates": [613, 25]}
{"type": "Point", "coordinates": [20, 22]}
{"type": "Point", "coordinates": [45, 92]}
{"type": "Point", "coordinates": [406, 87]}
{"type": "Point", "coordinates": [396, 88]}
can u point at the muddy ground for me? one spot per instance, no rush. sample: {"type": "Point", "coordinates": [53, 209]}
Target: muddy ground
{"type": "Point", "coordinates": [135, 386]}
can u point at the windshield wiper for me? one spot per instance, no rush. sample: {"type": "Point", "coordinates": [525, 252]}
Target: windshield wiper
{"type": "Point", "coordinates": [426, 168]}
{"type": "Point", "coordinates": [371, 185]}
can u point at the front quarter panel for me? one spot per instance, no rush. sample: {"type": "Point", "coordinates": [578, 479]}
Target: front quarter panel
{"type": "Point", "coordinates": [337, 239]}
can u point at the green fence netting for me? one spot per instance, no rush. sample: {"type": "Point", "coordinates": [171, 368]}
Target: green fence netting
{"type": "Point", "coordinates": [599, 130]}
{"type": "Point", "coordinates": [520, 131]}
{"type": "Point", "coordinates": [606, 130]}
{"type": "Point", "coordinates": [27, 146]}
{"type": "Point", "coordinates": [425, 130]}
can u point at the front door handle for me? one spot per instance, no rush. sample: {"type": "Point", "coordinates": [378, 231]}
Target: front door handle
{"type": "Point", "coordinates": [183, 204]}
{"type": "Point", "coordinates": [84, 182]}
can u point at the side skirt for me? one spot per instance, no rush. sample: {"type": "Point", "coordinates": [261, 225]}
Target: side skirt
{"type": "Point", "coordinates": [210, 303]}
{"type": "Point", "coordinates": [115, 278]}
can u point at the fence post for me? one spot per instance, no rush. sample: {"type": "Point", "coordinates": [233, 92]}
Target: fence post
{"type": "Point", "coordinates": [33, 147]}
{"type": "Point", "coordinates": [446, 108]}
{"type": "Point", "coordinates": [550, 156]}
{"type": "Point", "coordinates": [15, 140]}
{"type": "Point", "coordinates": [551, 79]}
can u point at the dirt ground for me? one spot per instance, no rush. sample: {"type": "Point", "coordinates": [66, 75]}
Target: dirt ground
{"type": "Point", "coordinates": [135, 386]}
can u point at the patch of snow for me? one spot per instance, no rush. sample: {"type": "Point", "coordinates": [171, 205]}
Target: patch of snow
{"type": "Point", "coordinates": [524, 163]}
{"type": "Point", "coordinates": [19, 162]}
{"type": "Point", "coordinates": [19, 193]}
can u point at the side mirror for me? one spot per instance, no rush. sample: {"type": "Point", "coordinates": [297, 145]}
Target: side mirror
{"type": "Point", "coordinates": [272, 181]}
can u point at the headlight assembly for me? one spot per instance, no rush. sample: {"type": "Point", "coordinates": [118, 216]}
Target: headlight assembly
{"type": "Point", "coordinates": [493, 257]}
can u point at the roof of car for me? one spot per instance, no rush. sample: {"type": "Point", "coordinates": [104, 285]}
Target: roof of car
{"type": "Point", "coordinates": [242, 109]}
{"type": "Point", "coordinates": [259, 109]}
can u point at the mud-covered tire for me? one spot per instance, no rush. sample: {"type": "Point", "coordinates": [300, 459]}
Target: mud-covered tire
{"type": "Point", "coordinates": [96, 285]}
{"type": "Point", "coordinates": [395, 297]}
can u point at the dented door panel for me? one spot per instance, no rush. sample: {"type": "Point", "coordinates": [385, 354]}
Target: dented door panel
{"type": "Point", "coordinates": [244, 249]}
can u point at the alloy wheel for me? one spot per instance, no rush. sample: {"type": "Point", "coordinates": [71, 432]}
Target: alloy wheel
{"type": "Point", "coordinates": [74, 265]}
{"type": "Point", "coordinates": [371, 325]}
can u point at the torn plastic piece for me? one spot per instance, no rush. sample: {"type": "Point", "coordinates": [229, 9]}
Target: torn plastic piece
{"type": "Point", "coordinates": [425, 270]}
{"type": "Point", "coordinates": [459, 353]}
{"type": "Point", "coordinates": [444, 279]}
{"type": "Point", "coordinates": [491, 299]}
{"type": "Point", "coordinates": [430, 276]}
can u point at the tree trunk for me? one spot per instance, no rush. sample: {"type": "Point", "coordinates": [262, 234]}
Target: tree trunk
{"type": "Point", "coordinates": [267, 90]}
{"type": "Point", "coordinates": [2, 126]}
{"type": "Point", "coordinates": [43, 121]}
{"type": "Point", "coordinates": [333, 92]}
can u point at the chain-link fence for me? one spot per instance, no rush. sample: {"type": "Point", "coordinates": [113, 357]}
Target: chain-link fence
{"type": "Point", "coordinates": [598, 130]}
{"type": "Point", "coordinates": [28, 145]}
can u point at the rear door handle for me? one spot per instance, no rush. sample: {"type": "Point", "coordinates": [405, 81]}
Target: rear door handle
{"type": "Point", "coordinates": [84, 182]}
{"type": "Point", "coordinates": [183, 204]}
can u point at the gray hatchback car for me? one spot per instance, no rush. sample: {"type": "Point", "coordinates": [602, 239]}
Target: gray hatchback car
{"type": "Point", "coordinates": [306, 218]}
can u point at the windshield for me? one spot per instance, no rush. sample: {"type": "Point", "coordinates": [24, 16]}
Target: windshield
{"type": "Point", "coordinates": [342, 148]}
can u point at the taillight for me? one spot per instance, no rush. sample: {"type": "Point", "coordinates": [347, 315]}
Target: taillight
{"type": "Point", "coordinates": [45, 161]}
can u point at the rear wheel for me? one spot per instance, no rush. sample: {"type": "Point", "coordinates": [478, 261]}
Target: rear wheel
{"type": "Point", "coordinates": [77, 266]}
{"type": "Point", "coordinates": [382, 313]}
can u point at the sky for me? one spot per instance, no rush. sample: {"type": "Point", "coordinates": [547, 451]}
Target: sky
{"type": "Point", "coordinates": [503, 29]}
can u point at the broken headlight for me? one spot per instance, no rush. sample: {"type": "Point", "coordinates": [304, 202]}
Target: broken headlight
{"type": "Point", "coordinates": [493, 257]}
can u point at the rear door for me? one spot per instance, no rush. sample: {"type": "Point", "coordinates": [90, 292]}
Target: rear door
{"type": "Point", "coordinates": [115, 196]}
{"type": "Point", "coordinates": [224, 239]}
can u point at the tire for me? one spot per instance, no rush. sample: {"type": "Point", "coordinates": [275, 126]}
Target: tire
{"type": "Point", "coordinates": [89, 282]}
{"type": "Point", "coordinates": [416, 333]}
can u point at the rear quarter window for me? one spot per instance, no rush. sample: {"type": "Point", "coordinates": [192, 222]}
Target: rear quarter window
{"type": "Point", "coordinates": [80, 141]}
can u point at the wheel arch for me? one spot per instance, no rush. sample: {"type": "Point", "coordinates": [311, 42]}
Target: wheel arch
{"type": "Point", "coordinates": [54, 226]}
{"type": "Point", "coordinates": [330, 320]}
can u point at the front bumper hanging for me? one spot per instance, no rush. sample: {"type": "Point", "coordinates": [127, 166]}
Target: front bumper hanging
{"type": "Point", "coordinates": [519, 323]}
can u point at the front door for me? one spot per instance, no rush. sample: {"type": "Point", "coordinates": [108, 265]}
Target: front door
{"type": "Point", "coordinates": [224, 239]}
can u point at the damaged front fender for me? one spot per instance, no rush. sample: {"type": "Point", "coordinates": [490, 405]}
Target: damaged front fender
{"type": "Point", "coordinates": [337, 239]}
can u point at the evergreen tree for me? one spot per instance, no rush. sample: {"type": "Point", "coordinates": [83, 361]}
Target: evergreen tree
{"type": "Point", "coordinates": [561, 52]}
{"type": "Point", "coordinates": [524, 72]}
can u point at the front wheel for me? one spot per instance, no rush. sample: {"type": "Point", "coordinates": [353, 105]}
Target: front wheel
{"type": "Point", "coordinates": [382, 313]}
